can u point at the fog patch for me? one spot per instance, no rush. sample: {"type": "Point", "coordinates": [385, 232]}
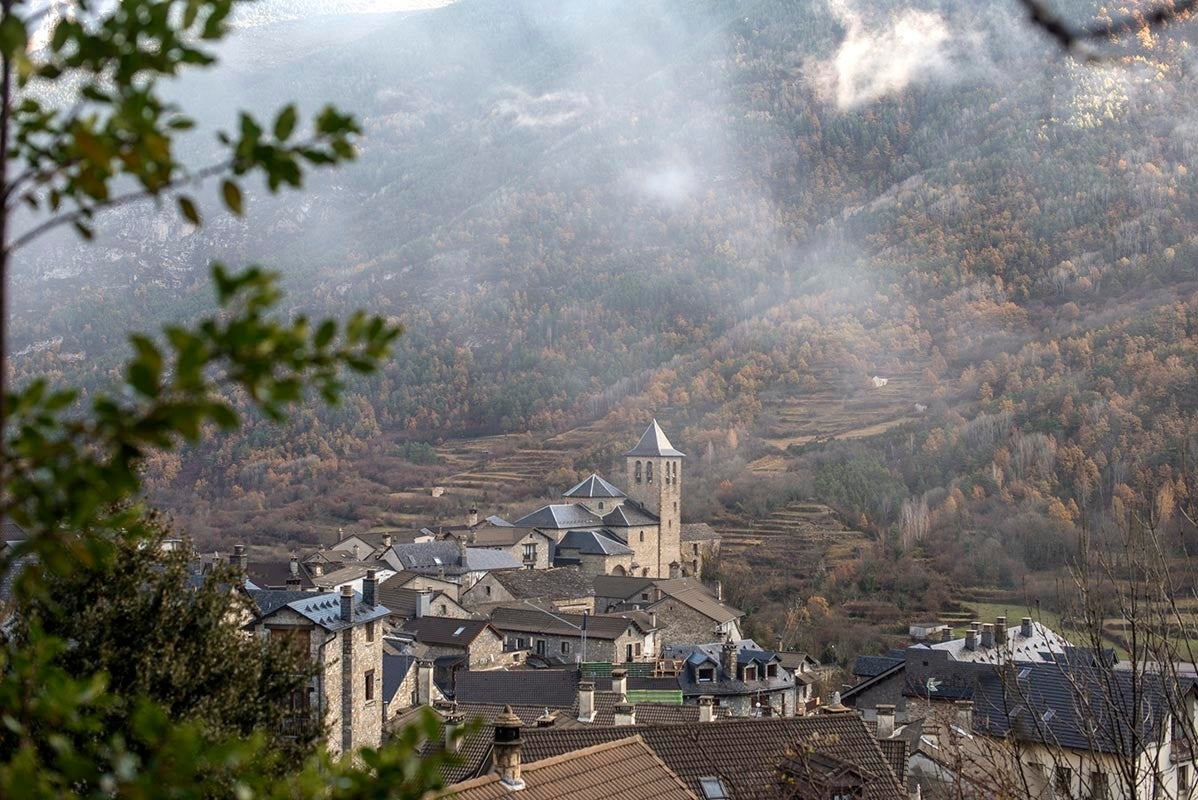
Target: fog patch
{"type": "Point", "coordinates": [668, 184]}
{"type": "Point", "coordinates": [551, 108]}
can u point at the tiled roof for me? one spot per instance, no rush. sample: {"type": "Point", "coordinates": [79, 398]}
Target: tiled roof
{"type": "Point", "coordinates": [395, 669]}
{"type": "Point", "coordinates": [598, 626]}
{"type": "Point", "coordinates": [624, 769]}
{"type": "Point", "coordinates": [268, 601]}
{"type": "Point", "coordinates": [426, 556]}
{"type": "Point", "coordinates": [325, 610]}
{"type": "Point", "coordinates": [623, 586]}
{"type": "Point", "coordinates": [447, 630]}
{"type": "Point", "coordinates": [403, 602]}
{"type": "Point", "coordinates": [700, 598]}
{"type": "Point", "coordinates": [593, 486]}
{"type": "Point", "coordinates": [895, 751]}
{"type": "Point", "coordinates": [12, 532]}
{"type": "Point", "coordinates": [501, 536]}
{"type": "Point", "coordinates": [480, 559]}
{"type": "Point", "coordinates": [697, 532]}
{"type": "Point", "coordinates": [559, 516]}
{"type": "Point", "coordinates": [276, 574]}
{"type": "Point", "coordinates": [594, 543]}
{"type": "Point", "coordinates": [743, 753]}
{"type": "Point", "coordinates": [653, 443]}
{"type": "Point", "coordinates": [871, 666]}
{"type": "Point", "coordinates": [747, 650]}
{"type": "Point", "coordinates": [350, 571]}
{"type": "Point", "coordinates": [557, 688]}
{"type": "Point", "coordinates": [1040, 646]}
{"type": "Point", "coordinates": [629, 515]}
{"type": "Point", "coordinates": [562, 583]}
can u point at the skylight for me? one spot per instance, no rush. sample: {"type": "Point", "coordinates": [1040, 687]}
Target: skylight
{"type": "Point", "coordinates": [713, 789]}
{"type": "Point", "coordinates": [458, 632]}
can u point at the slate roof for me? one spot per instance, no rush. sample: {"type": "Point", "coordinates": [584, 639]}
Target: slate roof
{"type": "Point", "coordinates": [268, 601]}
{"type": "Point", "coordinates": [501, 536]}
{"type": "Point", "coordinates": [872, 666]}
{"type": "Point", "coordinates": [434, 557]}
{"type": "Point", "coordinates": [629, 515]}
{"type": "Point", "coordinates": [325, 610]}
{"type": "Point", "coordinates": [598, 626]}
{"type": "Point", "coordinates": [557, 688]}
{"type": "Point", "coordinates": [275, 574]}
{"type": "Point", "coordinates": [402, 601]}
{"type": "Point", "coordinates": [559, 516]}
{"type": "Point", "coordinates": [11, 532]}
{"type": "Point", "coordinates": [1040, 646]}
{"type": "Point", "coordinates": [560, 583]}
{"type": "Point", "coordinates": [348, 572]}
{"type": "Point", "coordinates": [625, 768]}
{"type": "Point", "coordinates": [698, 597]}
{"type": "Point", "coordinates": [480, 559]}
{"type": "Point", "coordinates": [1072, 705]}
{"type": "Point", "coordinates": [623, 586]}
{"type": "Point", "coordinates": [594, 486]}
{"type": "Point", "coordinates": [725, 685]}
{"type": "Point", "coordinates": [446, 631]}
{"type": "Point", "coordinates": [697, 532]}
{"type": "Point", "coordinates": [594, 543]}
{"type": "Point", "coordinates": [743, 753]}
{"type": "Point", "coordinates": [395, 670]}
{"type": "Point", "coordinates": [654, 443]}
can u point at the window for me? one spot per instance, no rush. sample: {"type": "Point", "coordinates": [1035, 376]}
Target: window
{"type": "Point", "coordinates": [638, 472]}
{"type": "Point", "coordinates": [487, 591]}
{"type": "Point", "coordinates": [675, 506]}
{"type": "Point", "coordinates": [771, 670]}
{"type": "Point", "coordinates": [565, 648]}
{"type": "Point", "coordinates": [642, 536]}
{"type": "Point", "coordinates": [636, 648]}
{"type": "Point", "coordinates": [713, 789]}
{"type": "Point", "coordinates": [369, 686]}
{"type": "Point", "coordinates": [444, 610]}
{"type": "Point", "coordinates": [696, 548]}
{"type": "Point", "coordinates": [600, 505]}
{"type": "Point", "coordinates": [540, 647]}
{"type": "Point", "coordinates": [520, 643]}
{"type": "Point", "coordinates": [1100, 790]}
{"type": "Point", "coordinates": [530, 552]}
{"type": "Point", "coordinates": [1183, 777]}
{"type": "Point", "coordinates": [751, 673]}
{"type": "Point", "coordinates": [369, 632]}
{"type": "Point", "coordinates": [706, 674]}
{"type": "Point", "coordinates": [1063, 781]}
{"type": "Point", "coordinates": [649, 472]}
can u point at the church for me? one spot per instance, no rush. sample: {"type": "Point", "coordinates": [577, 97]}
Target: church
{"type": "Point", "coordinates": [609, 531]}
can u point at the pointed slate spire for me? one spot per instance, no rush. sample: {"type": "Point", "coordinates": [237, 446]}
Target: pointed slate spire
{"type": "Point", "coordinates": [654, 443]}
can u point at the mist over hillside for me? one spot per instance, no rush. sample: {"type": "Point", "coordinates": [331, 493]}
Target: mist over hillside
{"type": "Point", "coordinates": [731, 215]}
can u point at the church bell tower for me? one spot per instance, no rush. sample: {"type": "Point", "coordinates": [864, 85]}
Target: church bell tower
{"type": "Point", "coordinates": [654, 480]}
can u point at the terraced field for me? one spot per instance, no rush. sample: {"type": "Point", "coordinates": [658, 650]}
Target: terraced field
{"type": "Point", "coordinates": [800, 536]}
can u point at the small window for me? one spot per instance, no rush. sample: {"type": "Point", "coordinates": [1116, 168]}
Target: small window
{"type": "Point", "coordinates": [369, 685]}
{"type": "Point", "coordinates": [696, 548]}
{"type": "Point", "coordinates": [487, 591]}
{"type": "Point", "coordinates": [713, 789]}
{"type": "Point", "coordinates": [642, 536]}
{"type": "Point", "coordinates": [521, 643]}
{"type": "Point", "coordinates": [530, 552]}
{"type": "Point", "coordinates": [444, 610]}
{"type": "Point", "coordinates": [706, 675]}
{"type": "Point", "coordinates": [649, 472]}
{"type": "Point", "coordinates": [540, 647]}
{"type": "Point", "coordinates": [771, 670]}
{"type": "Point", "coordinates": [751, 673]}
{"type": "Point", "coordinates": [600, 505]}
{"type": "Point", "coordinates": [565, 648]}
{"type": "Point", "coordinates": [636, 648]}
{"type": "Point", "coordinates": [369, 631]}
{"type": "Point", "coordinates": [1100, 790]}
{"type": "Point", "coordinates": [644, 595]}
{"type": "Point", "coordinates": [638, 472]}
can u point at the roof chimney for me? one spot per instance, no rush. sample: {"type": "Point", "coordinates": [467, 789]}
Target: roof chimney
{"type": "Point", "coordinates": [885, 721]}
{"type": "Point", "coordinates": [472, 517]}
{"type": "Point", "coordinates": [546, 720]}
{"type": "Point", "coordinates": [453, 729]}
{"type": "Point", "coordinates": [506, 749]}
{"type": "Point", "coordinates": [1000, 631]}
{"type": "Point", "coordinates": [239, 560]}
{"type": "Point", "coordinates": [387, 541]}
{"type": "Point", "coordinates": [1025, 627]}
{"type": "Point", "coordinates": [728, 657]}
{"type": "Point", "coordinates": [778, 644]}
{"type": "Point", "coordinates": [625, 713]}
{"type": "Point", "coordinates": [586, 701]}
{"type": "Point", "coordinates": [965, 715]}
{"type": "Point", "coordinates": [675, 570]}
{"type": "Point", "coordinates": [424, 602]}
{"type": "Point", "coordinates": [619, 681]}
{"type": "Point", "coordinates": [347, 603]}
{"type": "Point", "coordinates": [971, 639]}
{"type": "Point", "coordinates": [293, 578]}
{"type": "Point", "coordinates": [370, 588]}
{"type": "Point", "coordinates": [653, 620]}
{"type": "Point", "coordinates": [424, 682]}
{"type": "Point", "coordinates": [462, 550]}
{"type": "Point", "coordinates": [706, 708]}
{"type": "Point", "coordinates": [987, 635]}
{"type": "Point", "coordinates": [719, 590]}
{"type": "Point", "coordinates": [946, 635]}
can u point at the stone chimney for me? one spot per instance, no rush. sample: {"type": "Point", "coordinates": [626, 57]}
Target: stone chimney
{"type": "Point", "coordinates": [586, 701]}
{"type": "Point", "coordinates": [777, 644]}
{"type": "Point", "coordinates": [424, 602]}
{"type": "Point", "coordinates": [706, 708]}
{"type": "Point", "coordinates": [1025, 627]}
{"type": "Point", "coordinates": [462, 551]}
{"type": "Point", "coordinates": [885, 721]}
{"type": "Point", "coordinates": [728, 657]}
{"type": "Point", "coordinates": [370, 588]}
{"type": "Point", "coordinates": [946, 635]}
{"type": "Point", "coordinates": [987, 636]}
{"type": "Point", "coordinates": [506, 750]}
{"type": "Point", "coordinates": [971, 639]}
{"type": "Point", "coordinates": [964, 715]}
{"type": "Point", "coordinates": [653, 620]}
{"type": "Point", "coordinates": [1000, 631]}
{"type": "Point", "coordinates": [347, 603]}
{"type": "Point", "coordinates": [239, 559]}
{"type": "Point", "coordinates": [357, 553]}
{"type": "Point", "coordinates": [546, 720]}
{"type": "Point", "coordinates": [387, 541]}
{"type": "Point", "coordinates": [424, 682]}
{"type": "Point", "coordinates": [293, 576]}
{"type": "Point", "coordinates": [453, 727]}
{"type": "Point", "coordinates": [619, 681]}
{"type": "Point", "coordinates": [719, 590]}
{"type": "Point", "coordinates": [625, 713]}
{"type": "Point", "coordinates": [675, 570]}
{"type": "Point", "coordinates": [472, 517]}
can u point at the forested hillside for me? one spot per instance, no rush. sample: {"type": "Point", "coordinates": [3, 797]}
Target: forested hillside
{"type": "Point", "coordinates": [731, 215]}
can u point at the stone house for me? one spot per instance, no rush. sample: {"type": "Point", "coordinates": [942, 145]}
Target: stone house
{"type": "Point", "coordinates": [342, 632]}
{"type": "Point", "coordinates": [449, 560]}
{"type": "Point", "coordinates": [408, 604]}
{"type": "Point", "coordinates": [571, 638]}
{"type": "Point", "coordinates": [700, 544]}
{"type": "Point", "coordinates": [743, 679]}
{"type": "Point", "coordinates": [596, 552]}
{"type": "Point", "coordinates": [560, 589]}
{"type": "Point", "coordinates": [688, 612]}
{"type": "Point", "coordinates": [475, 641]}
{"type": "Point", "coordinates": [417, 581]}
{"type": "Point", "coordinates": [532, 547]}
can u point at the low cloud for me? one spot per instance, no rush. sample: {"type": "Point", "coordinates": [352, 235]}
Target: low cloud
{"type": "Point", "coordinates": [552, 108]}
{"type": "Point", "coordinates": [877, 60]}
{"type": "Point", "coordinates": [669, 184]}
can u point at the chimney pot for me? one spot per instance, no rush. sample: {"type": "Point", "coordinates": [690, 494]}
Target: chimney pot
{"type": "Point", "coordinates": [424, 682]}
{"type": "Point", "coordinates": [472, 517]}
{"type": "Point", "coordinates": [719, 590]}
{"type": "Point", "coordinates": [546, 720]}
{"type": "Point", "coordinates": [964, 715]}
{"type": "Point", "coordinates": [424, 602]}
{"type": "Point", "coordinates": [1025, 627]}
{"type": "Point", "coordinates": [625, 713]}
{"type": "Point", "coordinates": [586, 701]}
{"type": "Point", "coordinates": [619, 681]}
{"type": "Point", "coordinates": [728, 651]}
{"type": "Point", "coordinates": [971, 640]}
{"type": "Point", "coordinates": [1000, 631]}
{"type": "Point", "coordinates": [946, 635]}
{"type": "Point", "coordinates": [239, 559]}
{"type": "Point", "coordinates": [706, 708]}
{"type": "Point", "coordinates": [453, 725]}
{"type": "Point", "coordinates": [885, 721]}
{"type": "Point", "coordinates": [506, 749]}
{"type": "Point", "coordinates": [347, 603]}
{"type": "Point", "coordinates": [370, 588]}
{"type": "Point", "coordinates": [675, 570]}
{"type": "Point", "coordinates": [987, 635]}
{"type": "Point", "coordinates": [387, 541]}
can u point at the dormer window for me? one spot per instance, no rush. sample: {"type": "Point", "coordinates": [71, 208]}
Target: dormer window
{"type": "Point", "coordinates": [751, 673]}
{"type": "Point", "coordinates": [771, 670]}
{"type": "Point", "coordinates": [706, 674]}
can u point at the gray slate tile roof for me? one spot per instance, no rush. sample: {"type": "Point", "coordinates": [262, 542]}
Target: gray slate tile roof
{"type": "Point", "coordinates": [623, 586]}
{"type": "Point", "coordinates": [698, 597]}
{"type": "Point", "coordinates": [871, 666]}
{"type": "Point", "coordinates": [560, 516]}
{"type": "Point", "coordinates": [594, 486]}
{"type": "Point", "coordinates": [556, 688]}
{"type": "Point", "coordinates": [629, 515]}
{"type": "Point", "coordinates": [654, 443]}
{"type": "Point", "coordinates": [598, 626]}
{"type": "Point", "coordinates": [560, 583]}
{"type": "Point", "coordinates": [697, 532]}
{"type": "Point", "coordinates": [594, 543]}
{"type": "Point", "coordinates": [323, 608]}
{"type": "Point", "coordinates": [395, 670]}
{"type": "Point", "coordinates": [447, 631]}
